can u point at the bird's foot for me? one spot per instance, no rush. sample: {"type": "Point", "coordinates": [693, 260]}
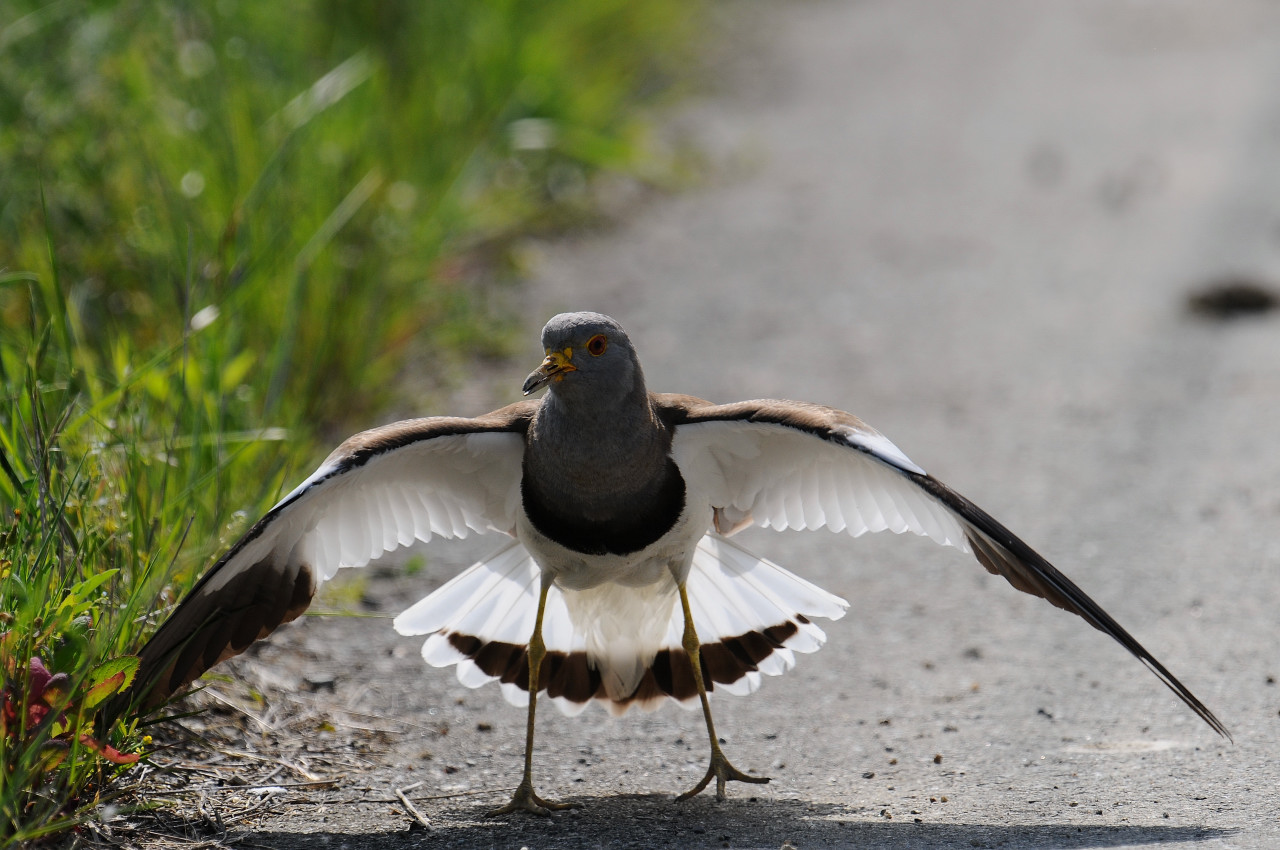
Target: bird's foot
{"type": "Point", "coordinates": [722, 771]}
{"type": "Point", "coordinates": [525, 800]}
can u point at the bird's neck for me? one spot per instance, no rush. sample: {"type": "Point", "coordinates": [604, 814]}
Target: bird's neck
{"type": "Point", "coordinates": [599, 450]}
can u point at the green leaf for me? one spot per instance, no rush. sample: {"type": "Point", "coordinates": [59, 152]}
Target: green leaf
{"type": "Point", "coordinates": [110, 678]}
{"type": "Point", "coordinates": [52, 754]}
{"type": "Point", "coordinates": [18, 277]}
{"type": "Point", "coordinates": [80, 592]}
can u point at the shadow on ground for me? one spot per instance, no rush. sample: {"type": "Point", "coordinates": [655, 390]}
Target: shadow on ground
{"type": "Point", "coordinates": [632, 821]}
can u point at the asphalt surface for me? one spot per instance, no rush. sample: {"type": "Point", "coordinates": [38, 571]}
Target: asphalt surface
{"type": "Point", "coordinates": [976, 226]}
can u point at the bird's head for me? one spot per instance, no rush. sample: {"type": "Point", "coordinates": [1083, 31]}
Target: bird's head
{"type": "Point", "coordinates": [586, 353]}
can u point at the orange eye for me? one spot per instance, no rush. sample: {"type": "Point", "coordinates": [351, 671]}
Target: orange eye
{"type": "Point", "coordinates": [597, 344]}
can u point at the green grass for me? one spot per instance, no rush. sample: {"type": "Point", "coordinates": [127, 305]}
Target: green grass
{"type": "Point", "coordinates": [99, 491]}
{"type": "Point", "coordinates": [224, 223]}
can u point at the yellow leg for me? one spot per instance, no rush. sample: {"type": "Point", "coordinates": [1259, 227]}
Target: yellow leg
{"type": "Point", "coordinates": [524, 799]}
{"type": "Point", "coordinates": [720, 767]}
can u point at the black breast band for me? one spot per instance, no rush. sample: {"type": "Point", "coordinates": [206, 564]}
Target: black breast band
{"type": "Point", "coordinates": [654, 515]}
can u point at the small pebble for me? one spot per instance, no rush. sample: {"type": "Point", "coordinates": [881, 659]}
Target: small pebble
{"type": "Point", "coordinates": [1233, 298]}
{"type": "Point", "coordinates": [317, 682]}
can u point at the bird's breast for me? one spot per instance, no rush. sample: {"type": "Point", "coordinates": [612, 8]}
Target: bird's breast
{"type": "Point", "coordinates": [669, 555]}
{"type": "Point", "coordinates": [599, 521]}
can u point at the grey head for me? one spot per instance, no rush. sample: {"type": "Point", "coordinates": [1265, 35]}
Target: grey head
{"type": "Point", "coordinates": [588, 356]}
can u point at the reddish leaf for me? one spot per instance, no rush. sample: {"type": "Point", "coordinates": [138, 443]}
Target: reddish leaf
{"type": "Point", "coordinates": [107, 751]}
{"type": "Point", "coordinates": [36, 712]}
{"type": "Point", "coordinates": [38, 676]}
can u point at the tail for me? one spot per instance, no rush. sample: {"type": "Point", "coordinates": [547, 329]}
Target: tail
{"type": "Point", "coordinates": [617, 645]}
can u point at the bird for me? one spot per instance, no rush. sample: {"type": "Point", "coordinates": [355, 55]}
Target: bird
{"type": "Point", "coordinates": [618, 581]}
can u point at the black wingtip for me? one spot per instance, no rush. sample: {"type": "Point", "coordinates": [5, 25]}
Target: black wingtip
{"type": "Point", "coordinates": [1003, 553]}
{"type": "Point", "coordinates": [1183, 693]}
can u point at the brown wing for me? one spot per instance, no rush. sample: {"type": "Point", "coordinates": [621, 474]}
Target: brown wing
{"type": "Point", "coordinates": [379, 490]}
{"type": "Point", "coordinates": [788, 464]}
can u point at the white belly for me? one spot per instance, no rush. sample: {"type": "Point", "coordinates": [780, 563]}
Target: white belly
{"type": "Point", "coordinates": [621, 604]}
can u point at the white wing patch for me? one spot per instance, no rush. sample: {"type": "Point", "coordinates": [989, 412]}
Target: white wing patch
{"type": "Point", "coordinates": [447, 486]}
{"type": "Point", "coordinates": [785, 478]}
{"type": "Point", "coordinates": [880, 446]}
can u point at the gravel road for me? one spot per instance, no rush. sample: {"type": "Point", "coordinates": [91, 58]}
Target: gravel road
{"type": "Point", "coordinates": [976, 226]}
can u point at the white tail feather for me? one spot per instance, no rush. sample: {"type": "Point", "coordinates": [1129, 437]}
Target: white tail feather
{"type": "Point", "coordinates": [621, 629]}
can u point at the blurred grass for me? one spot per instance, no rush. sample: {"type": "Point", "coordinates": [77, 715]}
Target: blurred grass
{"type": "Point", "coordinates": [219, 218]}
{"type": "Point", "coordinates": [311, 162]}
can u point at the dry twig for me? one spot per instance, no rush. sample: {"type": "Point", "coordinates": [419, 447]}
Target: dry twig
{"type": "Point", "coordinates": [411, 808]}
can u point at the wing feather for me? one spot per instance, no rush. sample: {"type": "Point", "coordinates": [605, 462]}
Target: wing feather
{"type": "Point", "coordinates": [797, 465]}
{"type": "Point", "coordinates": [378, 491]}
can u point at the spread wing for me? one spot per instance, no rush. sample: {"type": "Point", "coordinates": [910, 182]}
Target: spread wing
{"type": "Point", "coordinates": [782, 464]}
{"type": "Point", "coordinates": [380, 490]}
